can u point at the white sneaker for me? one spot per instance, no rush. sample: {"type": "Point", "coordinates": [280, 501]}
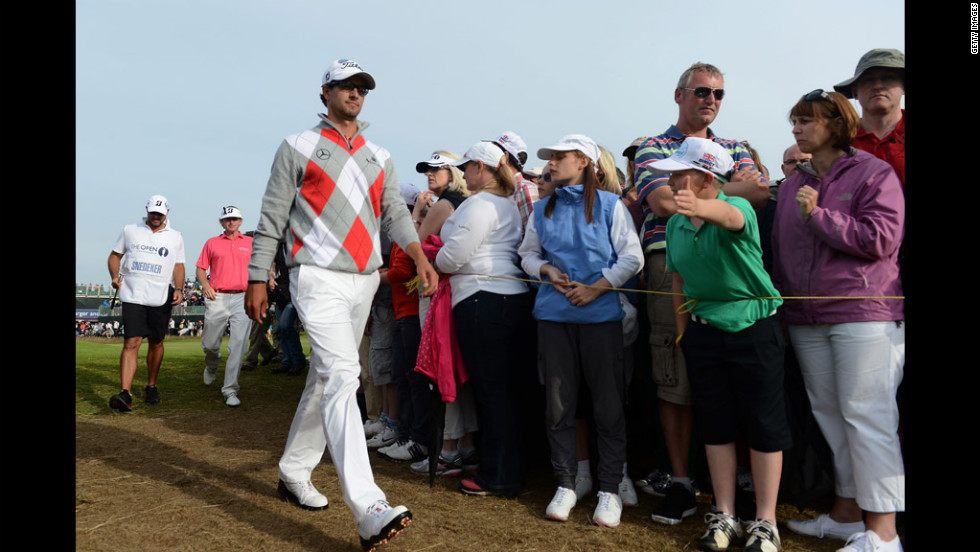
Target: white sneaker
{"type": "Point", "coordinates": [561, 505]}
{"type": "Point", "coordinates": [410, 451]}
{"type": "Point", "coordinates": [822, 526]}
{"type": "Point", "coordinates": [383, 439]}
{"type": "Point", "coordinates": [232, 400]}
{"type": "Point", "coordinates": [627, 493]}
{"type": "Point", "coordinates": [373, 427]}
{"type": "Point", "coordinates": [724, 531]}
{"type": "Point", "coordinates": [583, 485]}
{"type": "Point", "coordinates": [763, 537]}
{"type": "Point", "coordinates": [209, 375]}
{"type": "Point", "coordinates": [869, 541]}
{"type": "Point", "coordinates": [302, 494]}
{"type": "Point", "coordinates": [608, 511]}
{"type": "Point", "coordinates": [388, 448]}
{"type": "Point", "coordinates": [380, 523]}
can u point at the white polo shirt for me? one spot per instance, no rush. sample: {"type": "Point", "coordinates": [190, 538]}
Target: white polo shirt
{"type": "Point", "coordinates": [149, 257]}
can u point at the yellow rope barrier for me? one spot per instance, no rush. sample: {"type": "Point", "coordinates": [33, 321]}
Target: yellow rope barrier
{"type": "Point", "coordinates": [664, 292]}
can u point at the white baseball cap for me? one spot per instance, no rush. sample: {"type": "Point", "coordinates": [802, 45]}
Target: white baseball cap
{"type": "Point", "coordinates": [572, 142]}
{"type": "Point", "coordinates": [230, 211]}
{"type": "Point", "coordinates": [435, 161]}
{"type": "Point", "coordinates": [533, 171]}
{"type": "Point", "coordinates": [343, 69]}
{"type": "Point", "coordinates": [481, 151]}
{"type": "Point", "coordinates": [512, 144]}
{"type": "Point", "coordinates": [157, 204]}
{"type": "Point", "coordinates": [700, 154]}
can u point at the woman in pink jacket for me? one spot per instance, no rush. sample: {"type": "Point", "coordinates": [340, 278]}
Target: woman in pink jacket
{"type": "Point", "coordinates": [839, 222]}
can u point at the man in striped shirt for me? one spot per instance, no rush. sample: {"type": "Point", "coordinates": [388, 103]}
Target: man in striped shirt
{"type": "Point", "coordinates": [698, 96]}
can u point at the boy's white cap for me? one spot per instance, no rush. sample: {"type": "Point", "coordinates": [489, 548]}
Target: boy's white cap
{"type": "Point", "coordinates": [481, 151]}
{"type": "Point", "coordinates": [700, 154]}
{"type": "Point", "coordinates": [572, 142]}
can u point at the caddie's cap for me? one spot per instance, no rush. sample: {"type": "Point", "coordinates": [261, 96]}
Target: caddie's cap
{"type": "Point", "coordinates": [157, 204]}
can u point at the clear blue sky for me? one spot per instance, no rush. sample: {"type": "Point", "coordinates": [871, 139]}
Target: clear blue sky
{"type": "Point", "coordinates": [190, 99]}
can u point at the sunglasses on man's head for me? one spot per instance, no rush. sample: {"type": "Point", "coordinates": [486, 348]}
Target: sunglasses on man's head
{"type": "Point", "coordinates": [704, 92]}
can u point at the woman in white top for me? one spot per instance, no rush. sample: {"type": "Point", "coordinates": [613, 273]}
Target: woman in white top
{"type": "Point", "coordinates": [494, 327]}
{"type": "Point", "coordinates": [446, 192]}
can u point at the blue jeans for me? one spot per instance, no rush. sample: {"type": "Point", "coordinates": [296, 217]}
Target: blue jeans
{"type": "Point", "coordinates": [292, 349]}
{"type": "Point", "coordinates": [497, 339]}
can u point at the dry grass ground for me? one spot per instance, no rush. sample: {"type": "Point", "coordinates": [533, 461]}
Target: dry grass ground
{"type": "Point", "coordinates": [172, 478]}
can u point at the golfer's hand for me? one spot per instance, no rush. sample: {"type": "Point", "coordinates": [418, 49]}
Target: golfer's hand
{"type": "Point", "coordinates": [429, 278]}
{"type": "Point", "coordinates": [256, 301]}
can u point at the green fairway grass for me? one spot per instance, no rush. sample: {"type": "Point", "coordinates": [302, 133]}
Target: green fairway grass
{"type": "Point", "coordinates": [180, 379]}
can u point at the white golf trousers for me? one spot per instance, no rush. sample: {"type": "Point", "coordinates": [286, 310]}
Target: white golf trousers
{"type": "Point", "coordinates": [334, 308]}
{"type": "Point", "coordinates": [224, 308]}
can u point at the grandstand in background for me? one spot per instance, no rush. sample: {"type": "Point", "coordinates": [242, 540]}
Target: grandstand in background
{"type": "Point", "coordinates": [92, 304]}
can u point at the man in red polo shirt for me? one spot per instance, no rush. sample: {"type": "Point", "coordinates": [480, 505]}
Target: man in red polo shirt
{"type": "Point", "coordinates": [226, 256]}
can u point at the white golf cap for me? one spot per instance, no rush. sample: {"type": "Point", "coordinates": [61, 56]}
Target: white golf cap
{"type": "Point", "coordinates": [572, 142]}
{"type": "Point", "coordinates": [512, 144]}
{"type": "Point", "coordinates": [437, 160]}
{"type": "Point", "coordinates": [157, 204]}
{"type": "Point", "coordinates": [700, 154]}
{"type": "Point", "coordinates": [343, 69]}
{"type": "Point", "coordinates": [481, 151]}
{"type": "Point", "coordinates": [533, 171]}
{"type": "Point", "coordinates": [230, 211]}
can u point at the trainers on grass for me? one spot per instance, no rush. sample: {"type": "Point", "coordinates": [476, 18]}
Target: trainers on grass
{"type": "Point", "coordinates": [121, 401]}
{"type": "Point", "coordinates": [561, 505]}
{"type": "Point", "coordinates": [608, 511]}
{"type": "Point", "coordinates": [627, 492]}
{"type": "Point", "coordinates": [822, 526]}
{"type": "Point", "coordinates": [763, 537]}
{"type": "Point", "coordinates": [869, 541]}
{"type": "Point", "coordinates": [151, 395]}
{"type": "Point", "coordinates": [677, 505]}
{"type": "Point", "coordinates": [724, 531]}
